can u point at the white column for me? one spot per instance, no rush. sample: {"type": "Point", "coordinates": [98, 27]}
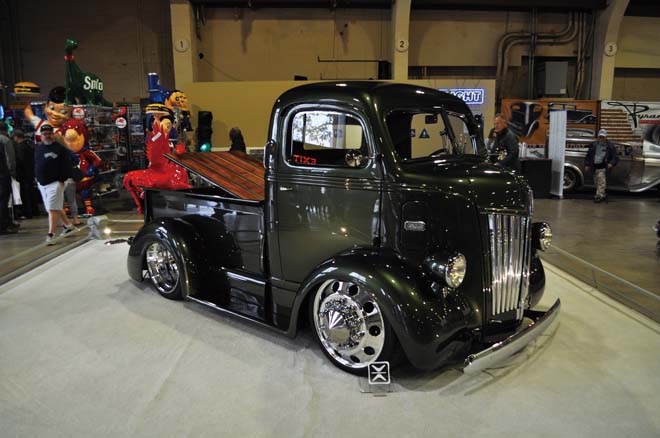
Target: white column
{"type": "Point", "coordinates": [400, 33]}
{"type": "Point", "coordinates": [605, 48]}
{"type": "Point", "coordinates": [184, 43]}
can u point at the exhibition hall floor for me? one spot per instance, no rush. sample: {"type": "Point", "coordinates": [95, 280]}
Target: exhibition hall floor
{"type": "Point", "coordinates": [84, 351]}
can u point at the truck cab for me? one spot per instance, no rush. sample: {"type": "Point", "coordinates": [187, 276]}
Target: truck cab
{"type": "Point", "coordinates": [380, 222]}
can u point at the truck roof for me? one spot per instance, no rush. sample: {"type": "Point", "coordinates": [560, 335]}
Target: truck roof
{"type": "Point", "coordinates": [379, 96]}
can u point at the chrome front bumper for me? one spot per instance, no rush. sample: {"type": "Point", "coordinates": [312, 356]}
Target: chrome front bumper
{"type": "Point", "coordinates": [493, 355]}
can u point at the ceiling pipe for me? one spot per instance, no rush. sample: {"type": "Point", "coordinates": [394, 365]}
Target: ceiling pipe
{"type": "Point", "coordinates": [516, 35]}
{"type": "Point", "coordinates": [542, 39]}
{"type": "Point", "coordinates": [578, 64]}
{"type": "Point", "coordinates": [589, 26]}
{"type": "Point", "coordinates": [532, 54]}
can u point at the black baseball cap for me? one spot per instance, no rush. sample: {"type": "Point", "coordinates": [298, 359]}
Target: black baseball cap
{"type": "Point", "coordinates": [46, 127]}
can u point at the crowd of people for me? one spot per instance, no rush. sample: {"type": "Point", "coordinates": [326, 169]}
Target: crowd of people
{"type": "Point", "coordinates": [46, 167]}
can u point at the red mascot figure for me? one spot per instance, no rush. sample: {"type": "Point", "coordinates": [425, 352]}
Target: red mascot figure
{"type": "Point", "coordinates": [161, 173]}
{"type": "Point", "coordinates": [75, 137]}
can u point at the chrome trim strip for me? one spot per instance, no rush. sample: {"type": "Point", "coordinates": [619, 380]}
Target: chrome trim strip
{"type": "Point", "coordinates": [527, 260]}
{"type": "Point", "coordinates": [507, 261]}
{"type": "Point", "coordinates": [491, 356]}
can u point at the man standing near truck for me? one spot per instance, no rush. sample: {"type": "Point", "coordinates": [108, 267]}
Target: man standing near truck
{"type": "Point", "coordinates": [503, 144]}
{"type": "Point", "coordinates": [601, 157]}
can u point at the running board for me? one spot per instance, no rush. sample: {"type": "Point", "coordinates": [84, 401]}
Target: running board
{"type": "Point", "coordinates": [237, 315]}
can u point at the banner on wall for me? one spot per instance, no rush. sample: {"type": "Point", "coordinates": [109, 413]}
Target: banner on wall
{"type": "Point", "coordinates": [635, 124]}
{"type": "Point", "coordinates": [529, 120]}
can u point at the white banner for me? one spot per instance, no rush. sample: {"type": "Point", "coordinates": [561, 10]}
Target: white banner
{"type": "Point", "coordinates": [556, 149]}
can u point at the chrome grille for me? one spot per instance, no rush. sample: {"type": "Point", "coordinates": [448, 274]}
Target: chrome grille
{"type": "Point", "coordinates": [509, 262]}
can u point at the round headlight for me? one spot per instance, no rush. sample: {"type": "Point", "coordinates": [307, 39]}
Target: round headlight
{"type": "Point", "coordinates": [455, 272]}
{"type": "Point", "coordinates": [447, 268]}
{"type": "Point", "coordinates": [542, 235]}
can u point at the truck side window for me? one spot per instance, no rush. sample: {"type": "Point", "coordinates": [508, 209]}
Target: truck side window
{"type": "Point", "coordinates": [417, 134]}
{"type": "Point", "coordinates": [326, 139]}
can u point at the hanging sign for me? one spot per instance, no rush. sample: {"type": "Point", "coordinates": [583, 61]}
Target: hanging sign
{"type": "Point", "coordinates": [471, 96]}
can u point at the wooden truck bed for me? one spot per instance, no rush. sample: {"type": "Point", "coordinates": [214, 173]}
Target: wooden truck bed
{"type": "Point", "coordinates": [235, 172]}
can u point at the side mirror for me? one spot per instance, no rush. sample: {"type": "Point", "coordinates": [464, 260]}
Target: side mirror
{"type": "Point", "coordinates": [354, 158]}
{"type": "Point", "coordinates": [431, 119]}
{"type": "Point", "coordinates": [269, 153]}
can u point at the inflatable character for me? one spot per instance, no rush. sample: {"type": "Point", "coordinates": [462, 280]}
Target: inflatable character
{"type": "Point", "coordinates": [161, 173]}
{"type": "Point", "coordinates": [178, 103]}
{"type": "Point", "coordinates": [75, 138]}
{"type": "Point", "coordinates": [57, 113]}
{"type": "Point", "coordinates": [81, 87]}
{"type": "Point", "coordinates": [157, 93]}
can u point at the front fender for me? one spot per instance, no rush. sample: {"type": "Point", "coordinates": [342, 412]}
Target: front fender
{"type": "Point", "coordinates": [536, 280]}
{"type": "Point", "coordinates": [425, 322]}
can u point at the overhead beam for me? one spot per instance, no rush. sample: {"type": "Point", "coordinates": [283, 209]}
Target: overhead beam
{"type": "Point", "coordinates": [415, 4]}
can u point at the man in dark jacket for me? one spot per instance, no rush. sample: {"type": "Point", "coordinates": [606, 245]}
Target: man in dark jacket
{"type": "Point", "coordinates": [7, 172]}
{"type": "Point", "coordinates": [601, 157]}
{"type": "Point", "coordinates": [25, 172]}
{"type": "Point", "coordinates": [52, 166]}
{"type": "Point", "coordinates": [503, 144]}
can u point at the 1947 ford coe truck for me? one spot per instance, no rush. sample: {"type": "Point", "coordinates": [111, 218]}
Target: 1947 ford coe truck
{"type": "Point", "coordinates": [391, 243]}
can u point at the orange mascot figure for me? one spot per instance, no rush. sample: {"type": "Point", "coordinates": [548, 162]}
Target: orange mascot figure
{"type": "Point", "coordinates": [57, 113]}
{"type": "Point", "coordinates": [161, 173]}
{"type": "Point", "coordinates": [75, 138]}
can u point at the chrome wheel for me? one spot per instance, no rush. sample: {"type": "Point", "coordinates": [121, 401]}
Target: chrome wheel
{"type": "Point", "coordinates": [571, 180]}
{"type": "Point", "coordinates": [349, 323]}
{"type": "Point", "coordinates": [162, 267]}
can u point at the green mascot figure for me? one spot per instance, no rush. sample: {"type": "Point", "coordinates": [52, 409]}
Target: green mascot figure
{"type": "Point", "coordinates": [81, 87]}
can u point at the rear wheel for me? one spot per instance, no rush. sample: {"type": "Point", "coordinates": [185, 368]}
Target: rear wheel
{"type": "Point", "coordinates": [350, 327]}
{"type": "Point", "coordinates": [571, 180]}
{"type": "Point", "coordinates": [164, 268]}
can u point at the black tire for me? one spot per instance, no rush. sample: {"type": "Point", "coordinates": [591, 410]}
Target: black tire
{"type": "Point", "coordinates": [164, 267]}
{"type": "Point", "coordinates": [353, 310]}
{"type": "Point", "coordinates": [571, 180]}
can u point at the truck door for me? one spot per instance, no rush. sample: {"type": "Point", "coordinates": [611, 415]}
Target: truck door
{"type": "Point", "coordinates": [327, 188]}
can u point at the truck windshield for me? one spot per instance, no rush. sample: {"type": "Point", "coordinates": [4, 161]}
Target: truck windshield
{"type": "Point", "coordinates": [421, 133]}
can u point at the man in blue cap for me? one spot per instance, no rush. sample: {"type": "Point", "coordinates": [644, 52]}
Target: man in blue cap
{"type": "Point", "coordinates": [601, 157]}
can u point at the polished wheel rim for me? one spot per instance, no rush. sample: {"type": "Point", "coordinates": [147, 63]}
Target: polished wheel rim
{"type": "Point", "coordinates": [349, 323]}
{"type": "Point", "coordinates": [569, 180]}
{"type": "Point", "coordinates": [162, 267]}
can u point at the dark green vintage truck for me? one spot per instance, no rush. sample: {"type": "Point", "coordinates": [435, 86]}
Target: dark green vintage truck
{"type": "Point", "coordinates": [375, 216]}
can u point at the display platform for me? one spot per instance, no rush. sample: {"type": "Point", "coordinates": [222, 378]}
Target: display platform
{"type": "Point", "coordinates": [87, 352]}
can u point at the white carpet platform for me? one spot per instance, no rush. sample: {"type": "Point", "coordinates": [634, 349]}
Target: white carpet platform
{"type": "Point", "coordinates": [85, 352]}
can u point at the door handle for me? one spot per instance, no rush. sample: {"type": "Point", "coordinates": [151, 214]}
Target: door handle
{"type": "Point", "coordinates": [286, 189]}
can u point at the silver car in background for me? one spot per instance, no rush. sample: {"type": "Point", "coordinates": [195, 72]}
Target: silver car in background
{"type": "Point", "coordinates": [638, 168]}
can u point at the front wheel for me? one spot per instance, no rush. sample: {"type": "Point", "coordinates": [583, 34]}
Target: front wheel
{"type": "Point", "coordinates": [164, 268]}
{"type": "Point", "coordinates": [350, 327]}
